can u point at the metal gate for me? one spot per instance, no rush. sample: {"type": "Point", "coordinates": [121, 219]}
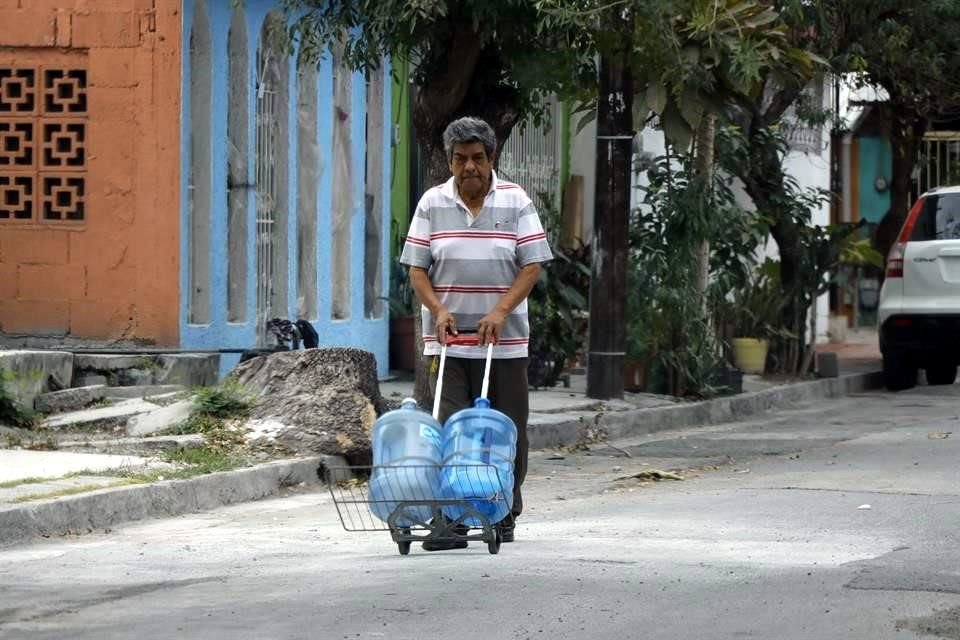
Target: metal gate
{"type": "Point", "coordinates": [939, 160]}
{"type": "Point", "coordinates": [531, 157]}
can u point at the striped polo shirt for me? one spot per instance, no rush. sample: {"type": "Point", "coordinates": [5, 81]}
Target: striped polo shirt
{"type": "Point", "coordinates": [473, 262]}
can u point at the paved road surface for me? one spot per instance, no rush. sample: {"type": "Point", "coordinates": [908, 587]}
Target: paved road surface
{"type": "Point", "coordinates": [769, 536]}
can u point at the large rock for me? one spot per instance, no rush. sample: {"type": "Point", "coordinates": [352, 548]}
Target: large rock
{"type": "Point", "coordinates": [30, 373]}
{"type": "Point", "coordinates": [314, 401]}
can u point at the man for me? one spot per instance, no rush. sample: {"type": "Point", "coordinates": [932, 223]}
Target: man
{"type": "Point", "coordinates": [474, 250]}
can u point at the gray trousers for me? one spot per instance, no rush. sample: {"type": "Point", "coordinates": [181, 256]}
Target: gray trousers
{"type": "Point", "coordinates": [508, 393]}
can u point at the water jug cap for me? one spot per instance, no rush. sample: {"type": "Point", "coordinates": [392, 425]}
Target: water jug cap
{"type": "Point", "coordinates": [481, 403]}
{"type": "Point", "coordinates": [408, 403]}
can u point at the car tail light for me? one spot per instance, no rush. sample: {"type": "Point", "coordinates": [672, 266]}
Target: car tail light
{"type": "Point", "coordinates": [899, 248]}
{"type": "Point", "coordinates": [901, 322]}
{"type": "Point", "coordinates": [895, 260]}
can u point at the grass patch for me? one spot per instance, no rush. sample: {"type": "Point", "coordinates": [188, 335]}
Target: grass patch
{"type": "Point", "coordinates": [225, 401]}
{"type": "Point", "coordinates": [203, 459]}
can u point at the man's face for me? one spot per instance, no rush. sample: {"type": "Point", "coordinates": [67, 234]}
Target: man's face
{"type": "Point", "coordinates": [471, 168]}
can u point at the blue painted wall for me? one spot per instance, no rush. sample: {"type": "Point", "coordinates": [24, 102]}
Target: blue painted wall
{"type": "Point", "coordinates": [370, 334]}
{"type": "Point", "coordinates": [876, 160]}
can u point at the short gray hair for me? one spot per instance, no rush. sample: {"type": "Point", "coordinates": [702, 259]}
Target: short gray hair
{"type": "Point", "coordinates": [467, 130]}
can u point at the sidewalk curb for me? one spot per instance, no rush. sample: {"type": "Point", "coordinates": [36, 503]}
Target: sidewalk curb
{"type": "Point", "coordinates": [637, 422]}
{"type": "Point", "coordinates": [106, 507]}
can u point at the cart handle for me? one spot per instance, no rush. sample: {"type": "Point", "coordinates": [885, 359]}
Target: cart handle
{"type": "Point", "coordinates": [471, 339]}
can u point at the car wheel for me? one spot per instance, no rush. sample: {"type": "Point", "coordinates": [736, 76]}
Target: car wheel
{"type": "Point", "coordinates": [942, 373]}
{"type": "Point", "coordinates": [899, 373]}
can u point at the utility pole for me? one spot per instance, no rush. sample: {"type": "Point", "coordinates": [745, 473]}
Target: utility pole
{"type": "Point", "coordinates": [608, 278]}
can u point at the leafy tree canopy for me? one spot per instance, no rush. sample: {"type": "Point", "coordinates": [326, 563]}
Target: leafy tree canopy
{"type": "Point", "coordinates": [494, 59]}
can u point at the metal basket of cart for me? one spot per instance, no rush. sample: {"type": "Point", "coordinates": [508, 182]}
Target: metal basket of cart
{"type": "Point", "coordinates": [429, 482]}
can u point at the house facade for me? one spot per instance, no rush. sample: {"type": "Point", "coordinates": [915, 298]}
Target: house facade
{"type": "Point", "coordinates": [171, 177]}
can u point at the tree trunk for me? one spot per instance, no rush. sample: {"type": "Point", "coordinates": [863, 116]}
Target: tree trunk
{"type": "Point", "coordinates": [608, 278]}
{"type": "Point", "coordinates": [763, 181]}
{"type": "Point", "coordinates": [703, 168]}
{"type": "Point", "coordinates": [905, 135]}
{"type": "Point", "coordinates": [786, 233]}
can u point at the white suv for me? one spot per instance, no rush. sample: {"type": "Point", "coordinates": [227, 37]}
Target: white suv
{"type": "Point", "coordinates": [919, 313]}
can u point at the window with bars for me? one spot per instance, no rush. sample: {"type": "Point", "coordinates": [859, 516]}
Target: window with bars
{"type": "Point", "coordinates": [43, 144]}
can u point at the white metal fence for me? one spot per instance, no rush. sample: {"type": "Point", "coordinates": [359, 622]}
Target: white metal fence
{"type": "Point", "coordinates": [531, 156]}
{"type": "Point", "coordinates": [939, 160]}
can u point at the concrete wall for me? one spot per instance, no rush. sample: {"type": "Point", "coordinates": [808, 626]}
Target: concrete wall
{"type": "Point", "coordinates": [113, 274]}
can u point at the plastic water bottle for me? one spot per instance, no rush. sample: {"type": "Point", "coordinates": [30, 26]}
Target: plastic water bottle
{"type": "Point", "coordinates": [406, 458]}
{"type": "Point", "coordinates": [471, 438]}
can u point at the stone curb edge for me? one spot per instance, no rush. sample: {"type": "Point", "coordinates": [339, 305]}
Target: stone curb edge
{"type": "Point", "coordinates": [567, 428]}
{"type": "Point", "coordinates": [104, 508]}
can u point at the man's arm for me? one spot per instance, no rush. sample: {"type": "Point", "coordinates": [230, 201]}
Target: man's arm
{"type": "Point", "coordinates": [444, 321]}
{"type": "Point", "coordinates": [488, 330]}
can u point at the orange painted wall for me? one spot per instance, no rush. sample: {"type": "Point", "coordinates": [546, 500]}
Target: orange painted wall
{"type": "Point", "coordinates": [116, 275]}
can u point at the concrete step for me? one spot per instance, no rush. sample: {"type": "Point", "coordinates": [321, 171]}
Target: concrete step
{"type": "Point", "coordinates": [69, 399]}
{"type": "Point", "coordinates": [55, 464]}
{"type": "Point", "coordinates": [113, 415]}
{"type": "Point", "coordinates": [152, 391]}
{"type": "Point", "coordinates": [144, 447]}
{"type": "Point", "coordinates": [30, 373]}
{"type": "Point", "coordinates": [122, 370]}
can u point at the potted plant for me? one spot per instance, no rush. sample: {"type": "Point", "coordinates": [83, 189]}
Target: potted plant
{"type": "Point", "coordinates": [756, 319]}
{"type": "Point", "coordinates": [401, 302]}
{"type": "Point", "coordinates": [557, 307]}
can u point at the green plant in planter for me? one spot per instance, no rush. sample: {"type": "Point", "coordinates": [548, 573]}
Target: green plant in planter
{"type": "Point", "coordinates": [668, 325]}
{"type": "Point", "coordinates": [558, 305]}
{"type": "Point", "coordinates": [757, 305]}
{"type": "Point", "coordinates": [401, 298]}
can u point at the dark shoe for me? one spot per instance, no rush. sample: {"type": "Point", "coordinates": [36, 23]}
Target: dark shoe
{"type": "Point", "coordinates": [444, 545]}
{"type": "Point", "coordinates": [445, 540]}
{"type": "Point", "coordinates": [506, 526]}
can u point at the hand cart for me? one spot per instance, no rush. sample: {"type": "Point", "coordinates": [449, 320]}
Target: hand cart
{"type": "Point", "coordinates": [407, 522]}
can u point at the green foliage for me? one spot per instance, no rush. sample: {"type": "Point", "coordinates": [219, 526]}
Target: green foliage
{"type": "Point", "coordinates": [755, 309]}
{"type": "Point", "coordinates": [402, 297]}
{"type": "Point", "coordinates": [12, 412]}
{"type": "Point", "coordinates": [213, 408]}
{"type": "Point", "coordinates": [908, 48]}
{"type": "Point", "coordinates": [692, 58]}
{"type": "Point", "coordinates": [226, 400]}
{"type": "Point", "coordinates": [558, 304]}
{"type": "Point", "coordinates": [507, 48]}
{"type": "Point", "coordinates": [667, 324]}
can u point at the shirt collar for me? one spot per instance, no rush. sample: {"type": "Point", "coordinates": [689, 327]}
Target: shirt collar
{"type": "Point", "coordinates": [449, 189]}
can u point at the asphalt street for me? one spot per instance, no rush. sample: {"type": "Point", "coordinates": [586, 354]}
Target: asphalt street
{"type": "Point", "coordinates": [829, 520]}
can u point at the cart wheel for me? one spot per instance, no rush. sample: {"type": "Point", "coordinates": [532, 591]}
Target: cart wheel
{"type": "Point", "coordinates": [404, 546]}
{"type": "Point", "coordinates": [493, 546]}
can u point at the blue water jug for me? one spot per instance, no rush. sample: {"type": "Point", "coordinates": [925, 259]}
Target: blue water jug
{"type": "Point", "coordinates": [406, 456]}
{"type": "Point", "coordinates": [473, 438]}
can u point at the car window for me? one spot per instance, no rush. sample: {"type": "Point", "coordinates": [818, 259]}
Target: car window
{"type": "Point", "coordinates": [940, 219]}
